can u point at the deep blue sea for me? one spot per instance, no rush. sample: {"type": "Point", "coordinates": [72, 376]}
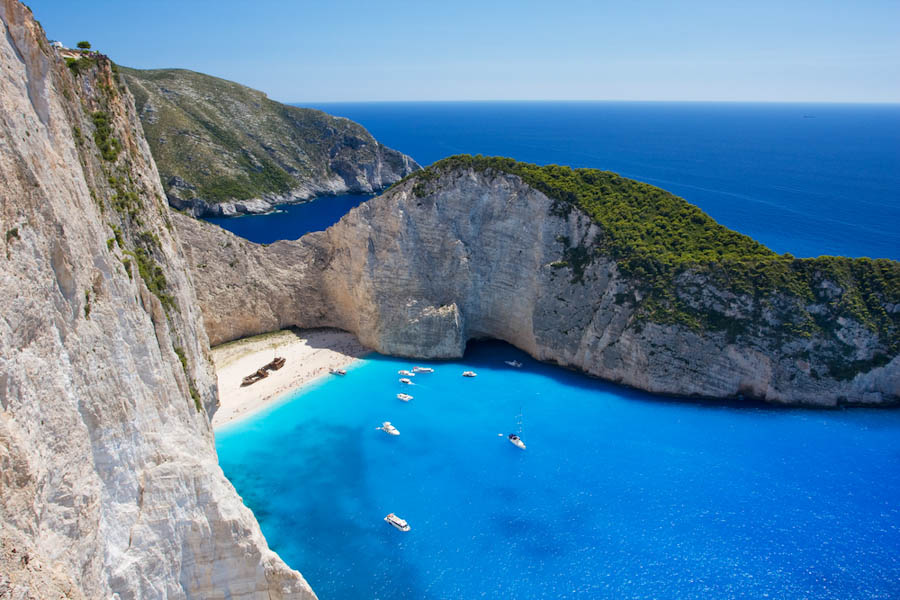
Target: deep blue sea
{"type": "Point", "coordinates": [808, 179]}
{"type": "Point", "coordinates": [620, 494]}
{"type": "Point", "coordinates": [291, 221]}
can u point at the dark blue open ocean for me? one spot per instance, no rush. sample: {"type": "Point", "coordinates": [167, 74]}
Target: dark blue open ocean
{"type": "Point", "coordinates": [620, 494]}
{"type": "Point", "coordinates": [805, 179]}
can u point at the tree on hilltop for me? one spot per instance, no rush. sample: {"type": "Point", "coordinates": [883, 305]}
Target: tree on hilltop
{"type": "Point", "coordinates": [84, 45]}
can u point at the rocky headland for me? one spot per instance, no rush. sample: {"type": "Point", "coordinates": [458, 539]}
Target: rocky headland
{"type": "Point", "coordinates": [580, 268]}
{"type": "Point", "coordinates": [109, 481]}
{"type": "Point", "coordinates": [225, 149]}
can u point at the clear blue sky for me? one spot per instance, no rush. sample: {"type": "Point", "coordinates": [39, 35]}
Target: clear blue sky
{"type": "Point", "coordinates": [347, 50]}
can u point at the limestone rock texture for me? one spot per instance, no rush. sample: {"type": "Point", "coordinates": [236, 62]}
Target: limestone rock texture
{"type": "Point", "coordinates": [225, 149]}
{"type": "Point", "coordinates": [109, 480]}
{"type": "Point", "coordinates": [478, 255]}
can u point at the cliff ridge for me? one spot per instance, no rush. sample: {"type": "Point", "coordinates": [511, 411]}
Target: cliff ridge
{"type": "Point", "coordinates": [109, 480]}
{"type": "Point", "coordinates": [581, 268]}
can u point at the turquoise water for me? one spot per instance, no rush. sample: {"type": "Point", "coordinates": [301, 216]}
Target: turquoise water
{"type": "Point", "coordinates": [619, 495]}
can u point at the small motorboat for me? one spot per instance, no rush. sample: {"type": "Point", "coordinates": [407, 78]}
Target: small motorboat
{"type": "Point", "coordinates": [406, 381]}
{"type": "Point", "coordinates": [388, 428]}
{"type": "Point", "coordinates": [406, 373]}
{"type": "Point", "coordinates": [516, 441]}
{"type": "Point", "coordinates": [513, 363]}
{"type": "Point", "coordinates": [423, 370]}
{"type": "Point", "coordinates": [397, 522]}
{"type": "Point", "coordinates": [337, 371]}
{"type": "Point", "coordinates": [404, 397]}
{"type": "Point", "coordinates": [470, 374]}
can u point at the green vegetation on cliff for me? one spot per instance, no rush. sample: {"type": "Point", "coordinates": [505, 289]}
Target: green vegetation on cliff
{"type": "Point", "coordinates": [113, 181]}
{"type": "Point", "coordinates": [227, 142]}
{"type": "Point", "coordinates": [660, 240]}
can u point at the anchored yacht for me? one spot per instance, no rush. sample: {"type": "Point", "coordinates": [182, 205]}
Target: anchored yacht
{"type": "Point", "coordinates": [406, 381]}
{"type": "Point", "coordinates": [513, 363]}
{"type": "Point", "coordinates": [388, 428]}
{"type": "Point", "coordinates": [397, 522]}
{"type": "Point", "coordinates": [337, 371]}
{"type": "Point", "coordinates": [470, 374]}
{"type": "Point", "coordinates": [423, 370]}
{"type": "Point", "coordinates": [406, 373]}
{"type": "Point", "coordinates": [404, 397]}
{"type": "Point", "coordinates": [516, 441]}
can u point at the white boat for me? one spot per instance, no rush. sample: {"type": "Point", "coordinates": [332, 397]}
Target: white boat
{"type": "Point", "coordinates": [406, 373]}
{"type": "Point", "coordinates": [406, 381]}
{"type": "Point", "coordinates": [397, 522]}
{"type": "Point", "coordinates": [470, 374]}
{"type": "Point", "coordinates": [388, 428]}
{"type": "Point", "coordinates": [404, 397]}
{"type": "Point", "coordinates": [513, 363]}
{"type": "Point", "coordinates": [516, 441]}
{"type": "Point", "coordinates": [423, 370]}
{"type": "Point", "coordinates": [337, 371]}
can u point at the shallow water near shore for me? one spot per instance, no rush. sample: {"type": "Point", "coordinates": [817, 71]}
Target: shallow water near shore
{"type": "Point", "coordinates": [619, 494]}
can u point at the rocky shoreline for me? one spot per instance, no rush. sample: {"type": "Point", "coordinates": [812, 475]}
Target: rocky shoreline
{"type": "Point", "coordinates": [267, 204]}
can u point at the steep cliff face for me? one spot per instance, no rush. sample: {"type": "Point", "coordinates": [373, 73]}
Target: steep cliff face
{"type": "Point", "coordinates": [223, 148]}
{"type": "Point", "coordinates": [464, 253]}
{"type": "Point", "coordinates": [109, 482]}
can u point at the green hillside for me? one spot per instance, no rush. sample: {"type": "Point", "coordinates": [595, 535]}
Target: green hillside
{"type": "Point", "coordinates": [230, 142]}
{"type": "Point", "coordinates": [656, 237]}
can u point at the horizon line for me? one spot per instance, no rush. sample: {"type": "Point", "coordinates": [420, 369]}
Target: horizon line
{"type": "Point", "coordinates": [586, 101]}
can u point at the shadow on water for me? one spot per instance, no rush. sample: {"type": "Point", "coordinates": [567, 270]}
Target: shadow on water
{"type": "Point", "coordinates": [295, 521]}
{"type": "Point", "coordinates": [491, 353]}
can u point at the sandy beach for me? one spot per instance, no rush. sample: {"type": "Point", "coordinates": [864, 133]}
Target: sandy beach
{"type": "Point", "coordinates": [310, 353]}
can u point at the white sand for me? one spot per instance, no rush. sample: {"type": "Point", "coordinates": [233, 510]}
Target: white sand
{"type": "Point", "coordinates": [310, 353]}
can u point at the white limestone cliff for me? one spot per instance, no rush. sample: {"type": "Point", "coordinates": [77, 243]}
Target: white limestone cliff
{"type": "Point", "coordinates": [109, 480]}
{"type": "Point", "coordinates": [478, 256]}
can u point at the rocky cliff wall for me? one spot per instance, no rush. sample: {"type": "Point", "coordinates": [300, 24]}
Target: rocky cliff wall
{"type": "Point", "coordinates": [480, 255]}
{"type": "Point", "coordinates": [109, 482]}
